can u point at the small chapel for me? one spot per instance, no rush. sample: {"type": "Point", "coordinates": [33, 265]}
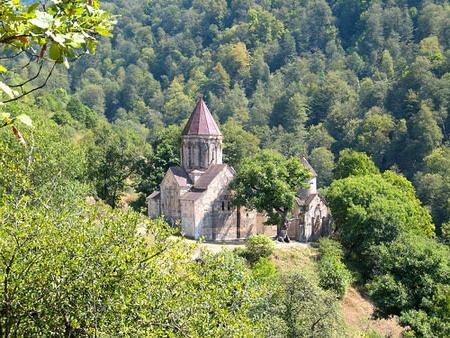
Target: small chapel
{"type": "Point", "coordinates": [196, 195]}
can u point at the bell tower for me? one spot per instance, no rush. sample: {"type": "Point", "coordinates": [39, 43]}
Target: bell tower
{"type": "Point", "coordinates": [201, 140]}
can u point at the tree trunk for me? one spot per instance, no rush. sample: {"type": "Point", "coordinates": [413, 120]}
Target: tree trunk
{"type": "Point", "coordinates": [282, 229]}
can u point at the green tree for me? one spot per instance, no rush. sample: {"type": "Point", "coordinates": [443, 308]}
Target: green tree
{"type": "Point", "coordinates": [318, 137]}
{"type": "Point", "coordinates": [372, 209]}
{"type": "Point", "coordinates": [412, 282]}
{"type": "Point", "coordinates": [177, 105]}
{"type": "Point", "coordinates": [322, 160]}
{"type": "Point", "coordinates": [268, 183]}
{"type": "Point", "coordinates": [166, 153]}
{"type": "Point", "coordinates": [114, 155]}
{"type": "Point", "coordinates": [235, 58]}
{"type": "Point", "coordinates": [305, 309]}
{"type": "Point", "coordinates": [374, 137]}
{"type": "Point", "coordinates": [353, 163]}
{"type": "Point", "coordinates": [81, 113]}
{"type": "Point", "coordinates": [333, 274]}
{"type": "Point", "coordinates": [238, 143]}
{"type": "Point", "coordinates": [433, 184]}
{"type": "Point", "coordinates": [93, 96]}
{"type": "Point", "coordinates": [424, 136]}
{"type": "Point", "coordinates": [51, 32]}
{"type": "Point", "coordinates": [387, 64]}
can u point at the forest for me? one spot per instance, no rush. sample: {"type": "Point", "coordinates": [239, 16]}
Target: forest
{"type": "Point", "coordinates": [360, 88]}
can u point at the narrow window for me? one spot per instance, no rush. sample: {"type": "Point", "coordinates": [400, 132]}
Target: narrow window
{"type": "Point", "coordinates": [223, 205]}
{"type": "Point", "coordinates": [190, 155]}
{"type": "Point", "coordinates": [229, 206]}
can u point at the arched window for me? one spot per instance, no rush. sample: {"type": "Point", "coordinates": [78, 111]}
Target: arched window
{"type": "Point", "coordinates": [200, 157]}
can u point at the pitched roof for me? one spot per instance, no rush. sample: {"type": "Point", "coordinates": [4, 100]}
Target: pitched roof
{"type": "Point", "coordinates": [308, 166]}
{"type": "Point", "coordinates": [305, 200]}
{"type": "Point", "coordinates": [192, 195]}
{"type": "Point", "coordinates": [181, 176]}
{"type": "Point", "coordinates": [153, 195]}
{"type": "Point", "coordinates": [201, 122]}
{"type": "Point", "coordinates": [205, 180]}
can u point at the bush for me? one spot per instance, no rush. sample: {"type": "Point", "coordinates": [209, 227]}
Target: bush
{"type": "Point", "coordinates": [305, 309]}
{"type": "Point", "coordinates": [258, 246]}
{"type": "Point", "coordinates": [264, 268]}
{"type": "Point", "coordinates": [333, 274]}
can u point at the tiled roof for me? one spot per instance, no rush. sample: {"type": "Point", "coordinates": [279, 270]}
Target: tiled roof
{"type": "Point", "coordinates": [308, 166]}
{"type": "Point", "coordinates": [201, 122]}
{"type": "Point", "coordinates": [181, 176]}
{"type": "Point", "coordinates": [204, 181]}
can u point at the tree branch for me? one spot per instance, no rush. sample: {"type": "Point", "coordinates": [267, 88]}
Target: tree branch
{"type": "Point", "coordinates": [30, 79]}
{"type": "Point", "coordinates": [34, 89]}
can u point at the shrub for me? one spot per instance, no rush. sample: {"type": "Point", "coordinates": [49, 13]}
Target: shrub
{"type": "Point", "coordinates": [264, 268]}
{"type": "Point", "coordinates": [333, 274]}
{"type": "Point", "coordinates": [306, 310]}
{"type": "Point", "coordinates": [258, 246]}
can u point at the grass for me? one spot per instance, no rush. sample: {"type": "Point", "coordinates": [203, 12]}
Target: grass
{"type": "Point", "coordinates": [356, 308]}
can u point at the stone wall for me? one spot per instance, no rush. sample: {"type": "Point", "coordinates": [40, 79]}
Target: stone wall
{"type": "Point", "coordinates": [188, 218]}
{"type": "Point", "coordinates": [309, 225]}
{"type": "Point", "coordinates": [153, 208]}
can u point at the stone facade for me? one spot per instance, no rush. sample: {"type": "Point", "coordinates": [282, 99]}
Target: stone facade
{"type": "Point", "coordinates": [310, 217]}
{"type": "Point", "coordinates": [196, 195]}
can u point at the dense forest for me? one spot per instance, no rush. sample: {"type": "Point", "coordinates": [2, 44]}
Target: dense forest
{"type": "Point", "coordinates": [361, 88]}
{"type": "Point", "coordinates": [305, 78]}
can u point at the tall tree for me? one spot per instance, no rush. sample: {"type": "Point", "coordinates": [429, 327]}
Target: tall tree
{"type": "Point", "coordinates": [114, 155]}
{"type": "Point", "coordinates": [269, 183]}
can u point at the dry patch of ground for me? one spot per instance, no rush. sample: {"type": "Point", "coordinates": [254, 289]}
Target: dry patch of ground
{"type": "Point", "coordinates": [356, 308]}
{"type": "Point", "coordinates": [216, 247]}
{"type": "Point", "coordinates": [357, 311]}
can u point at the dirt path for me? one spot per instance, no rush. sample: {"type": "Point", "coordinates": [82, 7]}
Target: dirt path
{"type": "Point", "coordinates": [357, 311]}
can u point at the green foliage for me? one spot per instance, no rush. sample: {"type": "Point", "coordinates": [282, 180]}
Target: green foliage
{"type": "Point", "coordinates": [322, 160]}
{"type": "Point", "coordinates": [333, 273]}
{"type": "Point", "coordinates": [412, 282]}
{"type": "Point", "coordinates": [114, 155]}
{"type": "Point", "coordinates": [259, 246]}
{"type": "Point", "coordinates": [51, 31]}
{"type": "Point", "coordinates": [347, 72]}
{"type": "Point", "coordinates": [68, 268]}
{"type": "Point", "coordinates": [238, 143]}
{"type": "Point", "coordinates": [305, 310]}
{"type": "Point", "coordinates": [433, 184]}
{"type": "Point", "coordinates": [166, 153]}
{"type": "Point", "coordinates": [375, 209]}
{"type": "Point", "coordinates": [264, 269]}
{"type": "Point", "coordinates": [51, 165]}
{"type": "Point", "coordinates": [275, 196]}
{"type": "Point", "coordinates": [353, 163]}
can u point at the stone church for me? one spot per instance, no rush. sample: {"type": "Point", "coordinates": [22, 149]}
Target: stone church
{"type": "Point", "coordinates": [196, 194]}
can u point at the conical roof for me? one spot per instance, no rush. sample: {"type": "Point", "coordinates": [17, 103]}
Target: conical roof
{"type": "Point", "coordinates": [308, 166]}
{"type": "Point", "coordinates": [201, 122]}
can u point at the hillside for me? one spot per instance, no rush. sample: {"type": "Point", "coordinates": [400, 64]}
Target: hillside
{"type": "Point", "coordinates": [309, 78]}
{"type": "Point", "coordinates": [352, 95]}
